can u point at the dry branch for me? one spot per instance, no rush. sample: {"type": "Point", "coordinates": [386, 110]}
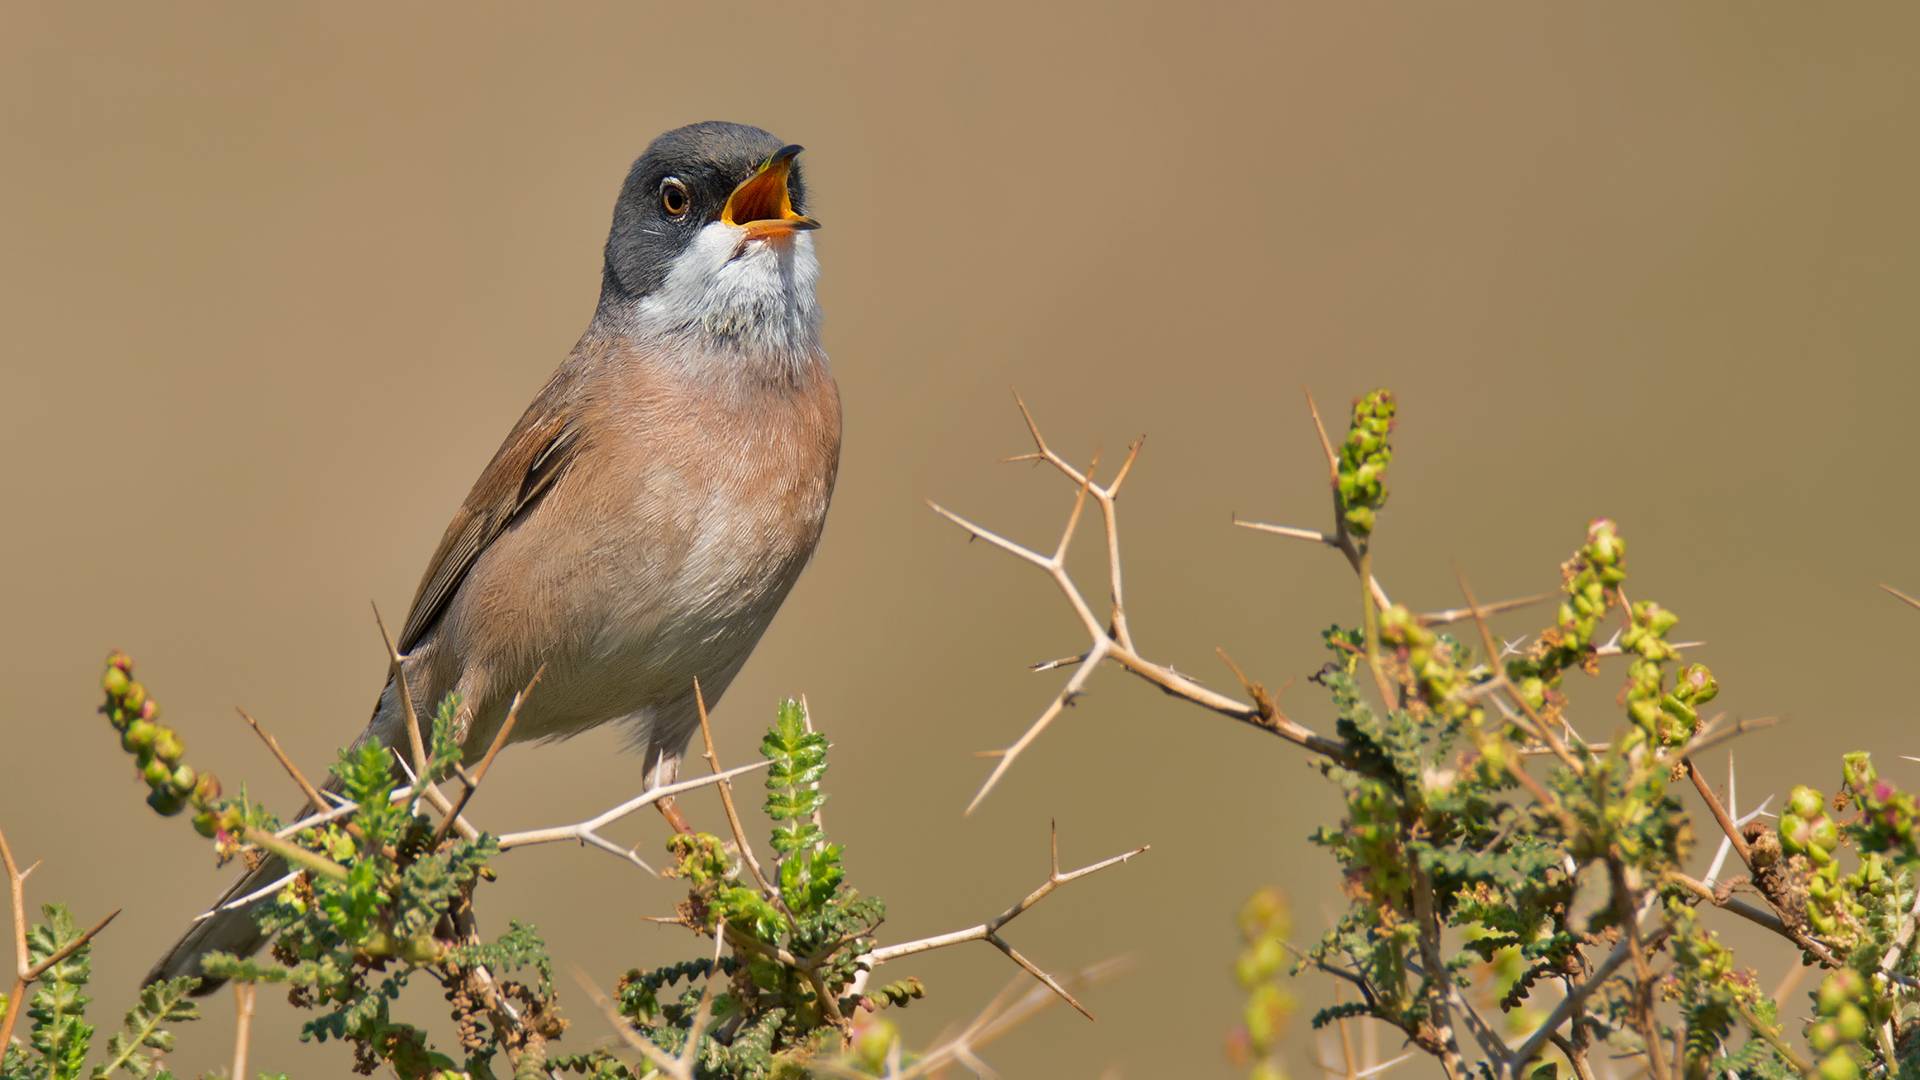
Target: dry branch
{"type": "Point", "coordinates": [586, 832]}
{"type": "Point", "coordinates": [1112, 638]}
{"type": "Point", "coordinates": [989, 931]}
{"type": "Point", "coordinates": [26, 974]}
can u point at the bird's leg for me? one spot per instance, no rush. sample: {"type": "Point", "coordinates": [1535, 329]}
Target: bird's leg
{"type": "Point", "coordinates": [674, 818]}
{"type": "Point", "coordinates": [666, 771]}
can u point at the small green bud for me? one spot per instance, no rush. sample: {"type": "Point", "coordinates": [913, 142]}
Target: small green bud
{"type": "Point", "coordinates": [206, 823]}
{"type": "Point", "coordinates": [1360, 520]}
{"type": "Point", "coordinates": [1851, 1022]}
{"type": "Point", "coordinates": [165, 802]}
{"type": "Point", "coordinates": [1839, 1065]}
{"type": "Point", "coordinates": [1823, 1036]}
{"type": "Point", "coordinates": [207, 790]}
{"type": "Point", "coordinates": [1839, 988]}
{"type": "Point", "coordinates": [1824, 835]}
{"type": "Point", "coordinates": [138, 738]}
{"type": "Point", "coordinates": [183, 780]}
{"type": "Point", "coordinates": [1697, 684]}
{"type": "Point", "coordinates": [168, 747]}
{"type": "Point", "coordinates": [115, 681]}
{"type": "Point", "coordinates": [135, 696]}
{"type": "Point", "coordinates": [1805, 801]}
{"type": "Point", "coordinates": [156, 773]}
{"type": "Point", "coordinates": [1858, 769]}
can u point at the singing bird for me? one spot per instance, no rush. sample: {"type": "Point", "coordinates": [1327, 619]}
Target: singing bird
{"type": "Point", "coordinates": [643, 521]}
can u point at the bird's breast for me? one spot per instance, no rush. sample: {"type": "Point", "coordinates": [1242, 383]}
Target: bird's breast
{"type": "Point", "coordinates": [665, 551]}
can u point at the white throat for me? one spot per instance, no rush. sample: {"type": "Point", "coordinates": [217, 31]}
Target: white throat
{"type": "Point", "coordinates": [731, 300]}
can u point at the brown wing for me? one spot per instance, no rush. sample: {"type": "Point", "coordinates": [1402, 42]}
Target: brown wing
{"type": "Point", "coordinates": [538, 450]}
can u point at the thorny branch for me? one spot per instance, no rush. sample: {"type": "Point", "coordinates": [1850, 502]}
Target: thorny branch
{"type": "Point", "coordinates": [1112, 639]}
{"type": "Point", "coordinates": [26, 973]}
{"type": "Point", "coordinates": [587, 832]}
{"type": "Point", "coordinates": [989, 931]}
{"type": "Point", "coordinates": [1546, 731]}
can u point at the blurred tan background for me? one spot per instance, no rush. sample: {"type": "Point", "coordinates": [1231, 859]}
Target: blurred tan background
{"type": "Point", "coordinates": [274, 281]}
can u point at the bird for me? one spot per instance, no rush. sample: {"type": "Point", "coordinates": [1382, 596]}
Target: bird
{"type": "Point", "coordinates": [648, 514]}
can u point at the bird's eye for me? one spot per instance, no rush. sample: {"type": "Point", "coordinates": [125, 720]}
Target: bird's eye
{"type": "Point", "coordinates": [673, 196]}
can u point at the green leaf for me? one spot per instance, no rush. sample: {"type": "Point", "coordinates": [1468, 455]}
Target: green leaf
{"type": "Point", "coordinates": [160, 1003]}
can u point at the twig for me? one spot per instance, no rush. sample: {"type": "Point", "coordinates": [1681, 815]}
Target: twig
{"type": "Point", "coordinates": [726, 800]}
{"type": "Point", "coordinates": [398, 674]}
{"type": "Point", "coordinates": [658, 1058]}
{"type": "Point", "coordinates": [1334, 542]}
{"type": "Point", "coordinates": [1773, 1039]}
{"type": "Point", "coordinates": [25, 974]}
{"type": "Point", "coordinates": [243, 993]}
{"type": "Point", "coordinates": [1910, 600]}
{"type": "Point", "coordinates": [1720, 814]}
{"type": "Point", "coordinates": [1529, 1049]}
{"type": "Point", "coordinates": [1544, 729]}
{"type": "Point", "coordinates": [1008, 1010]}
{"type": "Point", "coordinates": [1707, 740]}
{"type": "Point", "coordinates": [586, 831]}
{"type": "Point", "coordinates": [1111, 639]}
{"type": "Point", "coordinates": [1705, 892]}
{"type": "Point", "coordinates": [472, 783]}
{"type": "Point", "coordinates": [1429, 925]}
{"type": "Point", "coordinates": [294, 853]}
{"type": "Point", "coordinates": [306, 788]}
{"type": "Point", "coordinates": [278, 884]}
{"type": "Point", "coordinates": [1454, 615]}
{"type": "Point", "coordinates": [989, 931]}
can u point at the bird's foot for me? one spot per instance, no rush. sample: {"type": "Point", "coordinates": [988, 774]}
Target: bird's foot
{"type": "Point", "coordinates": [672, 814]}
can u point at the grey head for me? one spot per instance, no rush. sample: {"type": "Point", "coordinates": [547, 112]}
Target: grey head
{"type": "Point", "coordinates": [689, 179]}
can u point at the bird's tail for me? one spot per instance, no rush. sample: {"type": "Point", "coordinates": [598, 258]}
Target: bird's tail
{"type": "Point", "coordinates": [227, 929]}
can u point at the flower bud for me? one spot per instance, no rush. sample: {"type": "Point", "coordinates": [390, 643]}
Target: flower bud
{"type": "Point", "coordinates": [1858, 769]}
{"type": "Point", "coordinates": [207, 790]}
{"type": "Point", "coordinates": [150, 710]}
{"type": "Point", "coordinates": [1823, 1036]}
{"type": "Point", "coordinates": [167, 747]}
{"type": "Point", "coordinates": [1839, 988]}
{"type": "Point", "coordinates": [183, 780]}
{"type": "Point", "coordinates": [1851, 1022]}
{"type": "Point", "coordinates": [1805, 801]}
{"type": "Point", "coordinates": [138, 738]}
{"type": "Point", "coordinates": [1824, 834]}
{"type": "Point", "coordinates": [135, 696]}
{"type": "Point", "coordinates": [115, 681]}
{"type": "Point", "coordinates": [165, 802]}
{"type": "Point", "coordinates": [156, 773]}
{"type": "Point", "coordinates": [1697, 684]}
{"type": "Point", "coordinates": [1839, 1065]}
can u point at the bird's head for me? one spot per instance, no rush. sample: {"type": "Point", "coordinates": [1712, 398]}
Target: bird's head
{"type": "Point", "coordinates": [710, 240]}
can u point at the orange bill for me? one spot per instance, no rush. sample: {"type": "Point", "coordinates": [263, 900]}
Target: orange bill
{"type": "Point", "coordinates": [762, 202]}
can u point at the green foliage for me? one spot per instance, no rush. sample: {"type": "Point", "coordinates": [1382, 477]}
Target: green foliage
{"type": "Point", "coordinates": [385, 895]}
{"type": "Point", "coordinates": [60, 1038]}
{"type": "Point", "coordinates": [1364, 456]}
{"type": "Point", "coordinates": [1484, 838]}
{"type": "Point", "coordinates": [347, 943]}
{"type": "Point", "coordinates": [1265, 923]}
{"type": "Point", "coordinates": [161, 1003]}
{"type": "Point", "coordinates": [787, 996]}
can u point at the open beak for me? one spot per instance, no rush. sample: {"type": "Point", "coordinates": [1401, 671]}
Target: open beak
{"type": "Point", "coordinates": [762, 205]}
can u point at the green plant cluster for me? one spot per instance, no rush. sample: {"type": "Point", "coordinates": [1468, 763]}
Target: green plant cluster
{"type": "Point", "coordinates": [60, 1040]}
{"type": "Point", "coordinates": [1266, 921]}
{"type": "Point", "coordinates": [1473, 833]}
{"type": "Point", "coordinates": [157, 749]}
{"type": "Point", "coordinates": [1364, 456]}
{"type": "Point", "coordinates": [795, 954]}
{"type": "Point", "coordinates": [385, 896]}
